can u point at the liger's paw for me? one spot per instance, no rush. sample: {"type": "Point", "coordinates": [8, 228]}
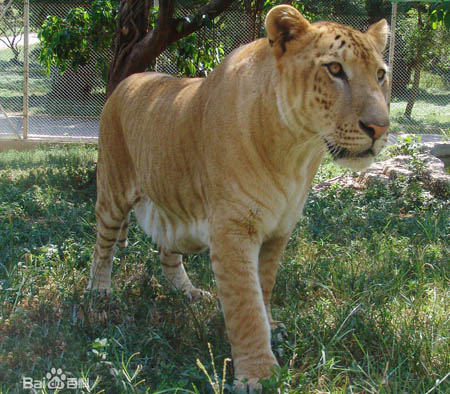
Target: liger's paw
{"type": "Point", "coordinates": [250, 372]}
{"type": "Point", "coordinates": [97, 306]}
{"type": "Point", "coordinates": [99, 292]}
{"type": "Point", "coordinates": [98, 287]}
{"type": "Point", "coordinates": [195, 295]}
{"type": "Point", "coordinates": [247, 386]}
{"type": "Point", "coordinates": [278, 329]}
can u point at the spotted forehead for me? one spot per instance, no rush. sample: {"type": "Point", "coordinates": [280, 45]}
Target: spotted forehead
{"type": "Point", "coordinates": [346, 42]}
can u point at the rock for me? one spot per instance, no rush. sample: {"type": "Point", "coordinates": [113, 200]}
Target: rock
{"type": "Point", "coordinates": [442, 151]}
{"type": "Point", "coordinates": [369, 179]}
{"type": "Point", "coordinates": [429, 172]}
{"type": "Point", "coordinates": [397, 166]}
{"type": "Point", "coordinates": [434, 177]}
{"type": "Point", "coordinates": [374, 175]}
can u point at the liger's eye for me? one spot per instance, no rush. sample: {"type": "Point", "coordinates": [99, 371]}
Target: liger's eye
{"type": "Point", "coordinates": [381, 74]}
{"type": "Point", "coordinates": [336, 70]}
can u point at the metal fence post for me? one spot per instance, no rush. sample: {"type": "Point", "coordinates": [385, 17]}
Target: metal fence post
{"type": "Point", "coordinates": [392, 50]}
{"type": "Point", "coordinates": [26, 67]}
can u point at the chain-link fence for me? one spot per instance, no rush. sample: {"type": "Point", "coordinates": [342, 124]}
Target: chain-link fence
{"type": "Point", "coordinates": [420, 100]}
{"type": "Point", "coordinates": [60, 105]}
{"type": "Point", "coordinates": [67, 105]}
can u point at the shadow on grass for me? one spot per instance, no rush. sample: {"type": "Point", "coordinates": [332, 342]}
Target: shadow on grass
{"type": "Point", "coordinates": [44, 206]}
{"type": "Point", "coordinates": [440, 99]}
{"type": "Point", "coordinates": [74, 185]}
{"type": "Point", "coordinates": [12, 104]}
{"type": "Point", "coordinates": [404, 124]}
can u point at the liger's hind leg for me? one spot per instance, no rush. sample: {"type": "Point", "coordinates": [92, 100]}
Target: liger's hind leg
{"type": "Point", "coordinates": [116, 195]}
{"type": "Point", "coordinates": [112, 224]}
{"type": "Point", "coordinates": [122, 242]}
{"type": "Point", "coordinates": [175, 273]}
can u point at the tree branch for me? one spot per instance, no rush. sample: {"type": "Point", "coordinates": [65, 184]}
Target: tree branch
{"type": "Point", "coordinates": [136, 55]}
{"type": "Point", "coordinates": [183, 27]}
{"type": "Point", "coordinates": [170, 30]}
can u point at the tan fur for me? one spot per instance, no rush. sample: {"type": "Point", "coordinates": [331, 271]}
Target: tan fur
{"type": "Point", "coordinates": [226, 162]}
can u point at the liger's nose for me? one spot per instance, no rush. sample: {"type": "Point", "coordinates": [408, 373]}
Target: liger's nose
{"type": "Point", "coordinates": [378, 130]}
{"type": "Point", "coordinates": [374, 131]}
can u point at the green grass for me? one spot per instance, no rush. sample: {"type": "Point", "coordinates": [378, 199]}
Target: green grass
{"type": "Point", "coordinates": [363, 290]}
{"type": "Point", "coordinates": [427, 117]}
{"type": "Point", "coordinates": [431, 111]}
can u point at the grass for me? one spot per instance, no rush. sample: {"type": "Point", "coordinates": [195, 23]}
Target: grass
{"type": "Point", "coordinates": [428, 117]}
{"type": "Point", "coordinates": [363, 290]}
{"type": "Point", "coordinates": [431, 111]}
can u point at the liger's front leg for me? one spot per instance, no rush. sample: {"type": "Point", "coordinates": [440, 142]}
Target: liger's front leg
{"type": "Point", "coordinates": [269, 258]}
{"type": "Point", "coordinates": [234, 257]}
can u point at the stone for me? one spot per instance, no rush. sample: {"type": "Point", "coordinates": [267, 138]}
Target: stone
{"type": "Point", "coordinates": [430, 173]}
{"type": "Point", "coordinates": [442, 152]}
{"type": "Point", "coordinates": [441, 149]}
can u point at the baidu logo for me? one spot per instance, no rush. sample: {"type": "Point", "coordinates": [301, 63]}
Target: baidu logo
{"type": "Point", "coordinates": [55, 379]}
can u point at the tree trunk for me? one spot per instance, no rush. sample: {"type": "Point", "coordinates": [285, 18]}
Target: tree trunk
{"type": "Point", "coordinates": [417, 68]}
{"type": "Point", "coordinates": [138, 45]}
{"type": "Point", "coordinates": [415, 87]}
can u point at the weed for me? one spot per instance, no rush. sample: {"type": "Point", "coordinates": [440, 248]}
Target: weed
{"type": "Point", "coordinates": [217, 386]}
{"type": "Point", "coordinates": [445, 134]}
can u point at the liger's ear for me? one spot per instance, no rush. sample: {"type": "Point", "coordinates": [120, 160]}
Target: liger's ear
{"type": "Point", "coordinates": [283, 24]}
{"type": "Point", "coordinates": [379, 33]}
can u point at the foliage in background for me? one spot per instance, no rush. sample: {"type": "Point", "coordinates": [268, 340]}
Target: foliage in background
{"type": "Point", "coordinates": [440, 14]}
{"type": "Point", "coordinates": [69, 41]}
{"type": "Point", "coordinates": [430, 114]}
{"type": "Point", "coordinates": [423, 47]}
{"type": "Point", "coordinates": [11, 27]}
{"type": "Point", "coordinates": [377, 9]}
{"type": "Point", "coordinates": [433, 43]}
{"type": "Point", "coordinates": [196, 57]}
{"type": "Point", "coordinates": [323, 9]}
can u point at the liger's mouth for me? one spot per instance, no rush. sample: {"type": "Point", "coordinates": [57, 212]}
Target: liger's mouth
{"type": "Point", "coordinates": [342, 153]}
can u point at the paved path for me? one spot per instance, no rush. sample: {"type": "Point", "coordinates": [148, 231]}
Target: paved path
{"type": "Point", "coordinates": [45, 126]}
{"type": "Point", "coordinates": [50, 127]}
